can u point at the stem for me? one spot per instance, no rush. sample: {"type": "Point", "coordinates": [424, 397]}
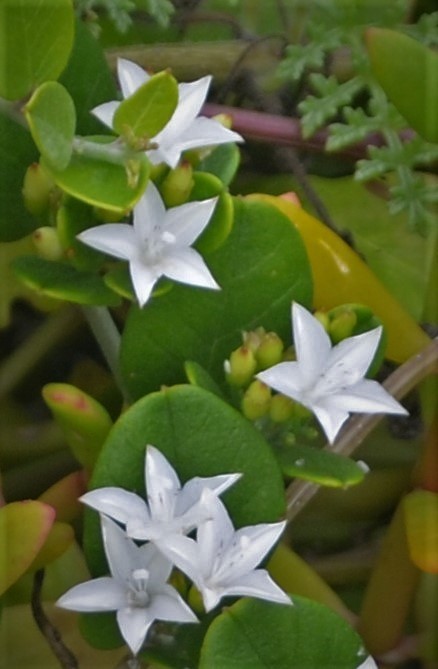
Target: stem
{"type": "Point", "coordinates": [398, 384]}
{"type": "Point", "coordinates": [40, 343]}
{"type": "Point", "coordinates": [66, 658]}
{"type": "Point", "coordinates": [110, 152]}
{"type": "Point", "coordinates": [108, 337]}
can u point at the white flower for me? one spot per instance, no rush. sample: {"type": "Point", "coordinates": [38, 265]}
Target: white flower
{"type": "Point", "coordinates": [221, 562]}
{"type": "Point", "coordinates": [172, 508]}
{"type": "Point", "coordinates": [158, 243]}
{"type": "Point", "coordinates": [136, 589]}
{"type": "Point", "coordinates": [368, 664]}
{"type": "Point", "coordinates": [184, 130]}
{"type": "Point", "coordinates": [330, 380]}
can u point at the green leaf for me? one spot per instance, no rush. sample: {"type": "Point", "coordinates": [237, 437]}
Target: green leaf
{"type": "Point", "coordinates": [219, 226]}
{"type": "Point", "coordinates": [101, 183]}
{"type": "Point", "coordinates": [17, 152]}
{"type": "Point", "coordinates": [149, 109]}
{"type": "Point", "coordinates": [201, 436]}
{"type": "Point", "coordinates": [261, 268]}
{"type": "Point", "coordinates": [72, 218]}
{"type": "Point", "coordinates": [24, 527]}
{"type": "Point", "coordinates": [36, 38]}
{"type": "Point", "coordinates": [320, 466]}
{"type": "Point", "coordinates": [223, 162]}
{"type": "Point", "coordinates": [64, 282]}
{"type": "Point", "coordinates": [255, 634]}
{"type": "Point", "coordinates": [408, 73]}
{"type": "Point", "coordinates": [52, 121]}
{"type": "Point", "coordinates": [198, 376]}
{"type": "Point", "coordinates": [88, 79]}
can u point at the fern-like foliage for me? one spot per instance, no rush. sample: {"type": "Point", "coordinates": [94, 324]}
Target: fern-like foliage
{"type": "Point", "coordinates": [120, 11]}
{"type": "Point", "coordinates": [334, 27]}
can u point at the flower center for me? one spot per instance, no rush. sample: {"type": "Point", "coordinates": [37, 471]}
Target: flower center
{"type": "Point", "coordinates": [154, 245]}
{"type": "Point", "coordinates": [138, 588]}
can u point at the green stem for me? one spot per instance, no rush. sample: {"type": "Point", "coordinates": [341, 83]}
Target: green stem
{"type": "Point", "coordinates": [40, 343]}
{"type": "Point", "coordinates": [398, 384]}
{"type": "Point", "coordinates": [116, 152]}
{"type": "Point", "coordinates": [108, 338]}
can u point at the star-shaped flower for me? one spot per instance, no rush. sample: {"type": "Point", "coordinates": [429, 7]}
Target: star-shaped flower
{"type": "Point", "coordinates": [136, 589]}
{"type": "Point", "coordinates": [158, 243]}
{"type": "Point", "coordinates": [185, 130]}
{"type": "Point", "coordinates": [171, 508]}
{"type": "Point", "coordinates": [330, 380]}
{"type": "Point", "coordinates": [222, 562]}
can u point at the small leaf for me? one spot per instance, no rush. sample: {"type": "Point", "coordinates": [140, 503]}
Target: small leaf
{"type": "Point", "coordinates": [59, 539]}
{"type": "Point", "coordinates": [223, 162]}
{"type": "Point", "coordinates": [73, 217]}
{"type": "Point", "coordinates": [24, 527]}
{"type": "Point", "coordinates": [64, 282]}
{"type": "Point", "coordinates": [52, 120]}
{"type": "Point", "coordinates": [198, 376]}
{"type": "Point", "coordinates": [408, 73]}
{"type": "Point", "coordinates": [421, 515]}
{"type": "Point", "coordinates": [64, 495]}
{"type": "Point", "coordinates": [36, 40]}
{"type": "Point", "coordinates": [149, 109]}
{"type": "Point", "coordinates": [320, 466]}
{"type": "Point", "coordinates": [219, 226]}
{"type": "Point", "coordinates": [254, 634]}
{"type": "Point", "coordinates": [101, 183]}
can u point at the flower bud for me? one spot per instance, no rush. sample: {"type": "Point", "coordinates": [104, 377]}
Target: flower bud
{"type": "Point", "coordinates": [342, 325]}
{"type": "Point", "coordinates": [177, 185]}
{"type": "Point", "coordinates": [281, 409]}
{"type": "Point", "coordinates": [323, 318]}
{"type": "Point", "coordinates": [224, 119]}
{"type": "Point", "coordinates": [37, 186]}
{"type": "Point", "coordinates": [240, 368]}
{"type": "Point", "coordinates": [47, 243]}
{"type": "Point", "coordinates": [195, 600]}
{"type": "Point", "coordinates": [256, 400]}
{"type": "Point", "coordinates": [253, 338]}
{"type": "Point", "coordinates": [288, 354]}
{"type": "Point", "coordinates": [109, 216]}
{"type": "Point", "coordinates": [269, 351]}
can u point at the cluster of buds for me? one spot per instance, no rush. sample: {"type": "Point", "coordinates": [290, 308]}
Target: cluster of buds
{"type": "Point", "coordinates": [345, 321]}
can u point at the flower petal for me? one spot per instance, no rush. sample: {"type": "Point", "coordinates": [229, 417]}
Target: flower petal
{"type": "Point", "coordinates": [368, 664]}
{"type": "Point", "coordinates": [122, 554]}
{"type": "Point", "coordinates": [331, 419]}
{"type": "Point", "coordinates": [192, 490]}
{"type": "Point", "coordinates": [116, 503]}
{"type": "Point", "coordinates": [149, 213]}
{"type": "Point", "coordinates": [115, 239]}
{"type": "Point", "coordinates": [168, 605]}
{"type": "Point", "coordinates": [105, 112]}
{"type": "Point", "coordinates": [285, 377]}
{"type": "Point", "coordinates": [131, 76]}
{"type": "Point", "coordinates": [214, 535]}
{"type": "Point", "coordinates": [312, 344]}
{"type": "Point", "coordinates": [134, 623]}
{"type": "Point", "coordinates": [162, 485]}
{"type": "Point", "coordinates": [143, 280]}
{"type": "Point", "coordinates": [187, 221]}
{"type": "Point", "coordinates": [366, 396]}
{"type": "Point", "coordinates": [191, 97]}
{"type": "Point", "coordinates": [187, 266]}
{"type": "Point", "coordinates": [183, 552]}
{"type": "Point", "coordinates": [204, 132]}
{"type": "Point", "coordinates": [353, 356]}
{"type": "Point", "coordinates": [100, 594]}
{"type": "Point", "coordinates": [258, 584]}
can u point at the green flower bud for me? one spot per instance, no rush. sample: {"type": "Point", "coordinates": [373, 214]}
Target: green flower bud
{"type": "Point", "coordinates": [253, 338]}
{"type": "Point", "coordinates": [323, 318]}
{"type": "Point", "coordinates": [256, 400]}
{"type": "Point", "coordinates": [47, 243]}
{"type": "Point", "coordinates": [241, 366]}
{"type": "Point", "coordinates": [37, 187]}
{"type": "Point", "coordinates": [269, 351]}
{"type": "Point", "coordinates": [281, 409]}
{"type": "Point", "coordinates": [288, 354]}
{"type": "Point", "coordinates": [177, 185]}
{"type": "Point", "coordinates": [342, 325]}
{"type": "Point", "coordinates": [109, 216]}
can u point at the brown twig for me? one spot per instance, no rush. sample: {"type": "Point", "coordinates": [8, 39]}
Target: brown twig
{"type": "Point", "coordinates": [399, 383]}
{"type": "Point", "coordinates": [64, 655]}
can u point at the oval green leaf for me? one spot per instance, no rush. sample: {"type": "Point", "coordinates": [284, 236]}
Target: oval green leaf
{"type": "Point", "coordinates": [35, 43]}
{"type": "Point", "coordinates": [408, 72]}
{"type": "Point", "coordinates": [223, 162]}
{"type": "Point", "coordinates": [57, 279]}
{"type": "Point", "coordinates": [261, 268]}
{"type": "Point", "coordinates": [52, 120]}
{"type": "Point", "coordinates": [320, 466]}
{"type": "Point", "coordinates": [149, 109]}
{"type": "Point", "coordinates": [101, 183]}
{"type": "Point", "coordinates": [24, 527]}
{"type": "Point", "coordinates": [255, 634]}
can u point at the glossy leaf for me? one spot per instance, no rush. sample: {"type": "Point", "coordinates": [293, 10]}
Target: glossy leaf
{"type": "Point", "coordinates": [51, 116]}
{"type": "Point", "coordinates": [101, 183]}
{"type": "Point", "coordinates": [255, 634]}
{"type": "Point", "coordinates": [88, 79]}
{"type": "Point", "coordinates": [200, 435]}
{"type": "Point", "coordinates": [421, 515]}
{"type": "Point", "coordinates": [320, 466]}
{"type": "Point", "coordinates": [85, 421]}
{"type": "Point", "coordinates": [64, 495]}
{"type": "Point", "coordinates": [408, 72]}
{"type": "Point", "coordinates": [223, 162]}
{"type": "Point", "coordinates": [73, 217]}
{"type": "Point", "coordinates": [197, 376]}
{"type": "Point", "coordinates": [149, 109]}
{"type": "Point", "coordinates": [17, 152]}
{"type": "Point", "coordinates": [64, 282]}
{"type": "Point", "coordinates": [24, 527]}
{"type": "Point", "coordinates": [36, 39]}
{"type": "Point", "coordinates": [58, 541]}
{"type": "Point", "coordinates": [261, 268]}
{"type": "Point", "coordinates": [219, 226]}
